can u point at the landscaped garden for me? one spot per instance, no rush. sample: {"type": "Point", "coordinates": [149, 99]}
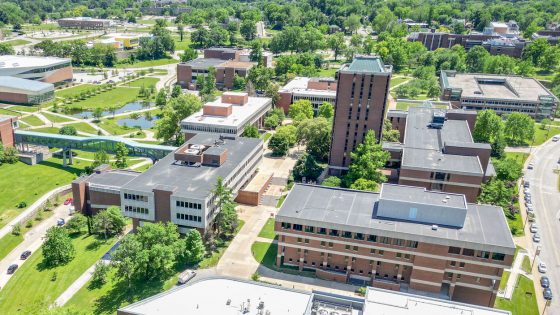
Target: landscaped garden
{"type": "Point", "coordinates": [146, 82]}
{"type": "Point", "coordinates": [116, 97]}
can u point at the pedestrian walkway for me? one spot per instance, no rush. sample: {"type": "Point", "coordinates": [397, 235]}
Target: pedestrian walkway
{"type": "Point", "coordinates": [515, 271]}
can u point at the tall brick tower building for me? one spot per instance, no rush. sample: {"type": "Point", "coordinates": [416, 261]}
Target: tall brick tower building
{"type": "Point", "coordinates": [361, 103]}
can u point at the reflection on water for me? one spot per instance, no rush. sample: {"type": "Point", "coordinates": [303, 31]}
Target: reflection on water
{"type": "Point", "coordinates": [126, 108]}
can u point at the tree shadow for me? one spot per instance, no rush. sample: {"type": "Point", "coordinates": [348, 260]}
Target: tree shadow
{"type": "Point", "coordinates": [70, 169]}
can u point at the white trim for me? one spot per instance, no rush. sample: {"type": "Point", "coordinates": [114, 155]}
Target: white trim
{"type": "Point", "coordinates": [438, 181]}
{"type": "Point", "coordinates": [434, 284]}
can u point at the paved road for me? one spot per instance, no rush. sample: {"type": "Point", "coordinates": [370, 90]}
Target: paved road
{"type": "Point", "coordinates": [546, 201]}
{"type": "Point", "coordinates": [32, 241]}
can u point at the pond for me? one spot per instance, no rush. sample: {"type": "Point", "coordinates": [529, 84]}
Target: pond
{"type": "Point", "coordinates": [141, 122]}
{"type": "Point", "coordinates": [126, 108]}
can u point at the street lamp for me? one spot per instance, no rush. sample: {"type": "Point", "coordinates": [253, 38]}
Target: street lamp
{"type": "Point", "coordinates": [537, 252]}
{"type": "Point", "coordinates": [545, 305]}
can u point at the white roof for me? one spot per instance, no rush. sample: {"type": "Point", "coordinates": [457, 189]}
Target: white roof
{"type": "Point", "coordinates": [239, 116]}
{"type": "Point", "coordinates": [211, 296]}
{"type": "Point", "coordinates": [498, 24]}
{"type": "Point", "coordinates": [298, 86]}
{"type": "Point", "coordinates": [13, 61]}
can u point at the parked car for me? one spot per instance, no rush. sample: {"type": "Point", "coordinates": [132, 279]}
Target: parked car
{"type": "Point", "coordinates": [542, 267]}
{"type": "Point", "coordinates": [545, 282]}
{"type": "Point", "coordinates": [12, 268]}
{"type": "Point", "coordinates": [25, 255]}
{"type": "Point", "coordinates": [60, 222]}
{"type": "Point", "coordinates": [547, 294]}
{"type": "Point", "coordinates": [528, 205]}
{"type": "Point", "coordinates": [534, 228]}
{"type": "Point", "coordinates": [530, 166]}
{"type": "Point", "coordinates": [68, 201]}
{"type": "Point", "coordinates": [526, 184]}
{"type": "Point", "coordinates": [556, 138]}
{"type": "Point", "coordinates": [536, 238]}
{"type": "Point", "coordinates": [530, 209]}
{"type": "Point", "coordinates": [185, 276]}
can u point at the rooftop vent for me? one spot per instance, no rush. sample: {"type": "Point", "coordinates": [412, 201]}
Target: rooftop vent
{"type": "Point", "coordinates": [438, 119]}
{"type": "Point", "coordinates": [197, 146]}
{"type": "Point", "coordinates": [192, 151]}
{"type": "Point", "coordinates": [434, 227]}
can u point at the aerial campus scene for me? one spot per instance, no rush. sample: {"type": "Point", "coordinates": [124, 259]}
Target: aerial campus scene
{"type": "Point", "coordinates": [273, 157]}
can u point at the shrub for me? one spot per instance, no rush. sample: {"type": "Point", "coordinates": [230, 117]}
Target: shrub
{"type": "Point", "coordinates": [21, 205]}
{"type": "Point", "coordinates": [16, 229]}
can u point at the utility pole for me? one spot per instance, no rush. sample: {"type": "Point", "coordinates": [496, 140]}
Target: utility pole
{"type": "Point", "coordinates": [545, 305]}
{"type": "Point", "coordinates": [537, 252]}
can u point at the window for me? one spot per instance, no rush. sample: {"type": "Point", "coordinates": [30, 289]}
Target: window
{"type": "Point", "coordinates": [454, 250]}
{"type": "Point", "coordinates": [461, 265]}
{"type": "Point", "coordinates": [449, 275]}
{"type": "Point", "coordinates": [306, 240]}
{"type": "Point", "coordinates": [347, 247]}
{"type": "Point", "coordinates": [286, 225]}
{"type": "Point", "coordinates": [309, 229]}
{"type": "Point", "coordinates": [399, 255]}
{"type": "Point", "coordinates": [381, 252]}
{"type": "Point", "coordinates": [330, 244]}
{"type": "Point", "coordinates": [333, 233]}
{"type": "Point", "coordinates": [372, 251]}
{"type": "Point", "coordinates": [355, 248]}
{"type": "Point", "coordinates": [323, 243]}
{"type": "Point", "coordinates": [384, 240]}
{"type": "Point", "coordinates": [372, 238]}
{"type": "Point", "coordinates": [407, 256]}
{"type": "Point", "coordinates": [298, 227]}
{"type": "Point", "coordinates": [453, 263]}
{"type": "Point", "coordinates": [398, 242]}
{"type": "Point", "coordinates": [498, 256]}
{"type": "Point", "coordinates": [359, 236]}
{"type": "Point", "coordinates": [299, 239]}
{"type": "Point", "coordinates": [458, 276]}
{"type": "Point", "coordinates": [483, 254]}
{"type": "Point", "coordinates": [468, 252]}
{"type": "Point", "coordinates": [347, 234]}
{"type": "Point", "coordinates": [322, 231]}
{"type": "Point", "coordinates": [412, 244]}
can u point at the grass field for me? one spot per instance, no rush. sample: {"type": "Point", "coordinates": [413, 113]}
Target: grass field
{"type": "Point", "coordinates": [16, 42]}
{"type": "Point", "coordinates": [73, 91]}
{"type": "Point", "coordinates": [53, 130]}
{"type": "Point", "coordinates": [27, 109]}
{"type": "Point", "coordinates": [110, 125]}
{"type": "Point", "coordinates": [114, 98]}
{"type": "Point", "coordinates": [146, 82]}
{"type": "Point", "coordinates": [523, 301]}
{"type": "Point", "coordinates": [33, 283]}
{"type": "Point", "coordinates": [265, 254]}
{"type": "Point", "coordinates": [147, 63]}
{"type": "Point", "coordinates": [212, 260]}
{"type": "Point", "coordinates": [504, 280]}
{"type": "Point", "coordinates": [406, 105]}
{"type": "Point", "coordinates": [542, 135]}
{"type": "Point", "coordinates": [398, 80]}
{"type": "Point", "coordinates": [519, 156]}
{"type": "Point", "coordinates": [182, 45]}
{"type": "Point", "coordinates": [32, 120]}
{"type": "Point", "coordinates": [55, 118]}
{"type": "Point", "coordinates": [22, 182]}
{"type": "Point", "coordinates": [526, 264]}
{"type": "Point", "coordinates": [84, 127]}
{"type": "Point", "coordinates": [327, 73]}
{"type": "Point", "coordinates": [268, 229]}
{"type": "Point", "coordinates": [4, 111]}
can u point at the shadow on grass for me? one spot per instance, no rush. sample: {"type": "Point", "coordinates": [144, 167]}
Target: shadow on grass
{"type": "Point", "coordinates": [70, 169]}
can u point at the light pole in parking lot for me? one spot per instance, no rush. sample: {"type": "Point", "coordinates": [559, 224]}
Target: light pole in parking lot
{"type": "Point", "coordinates": [545, 305]}
{"type": "Point", "coordinates": [537, 253]}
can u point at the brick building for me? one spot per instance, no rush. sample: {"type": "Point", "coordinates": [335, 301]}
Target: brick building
{"type": "Point", "coordinates": [502, 93]}
{"type": "Point", "coordinates": [437, 152]}
{"type": "Point", "coordinates": [85, 23]}
{"type": "Point", "coordinates": [315, 90]}
{"type": "Point", "coordinates": [402, 238]}
{"type": "Point", "coordinates": [7, 126]}
{"type": "Point", "coordinates": [178, 188]}
{"type": "Point", "coordinates": [27, 92]}
{"type": "Point", "coordinates": [361, 102]}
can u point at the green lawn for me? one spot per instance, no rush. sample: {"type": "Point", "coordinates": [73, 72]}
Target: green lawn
{"type": "Point", "coordinates": [32, 120]}
{"type": "Point", "coordinates": [22, 182]}
{"type": "Point", "coordinates": [159, 72]}
{"type": "Point", "coordinates": [33, 283]}
{"type": "Point", "coordinates": [327, 73]}
{"type": "Point", "coordinates": [4, 111]}
{"type": "Point", "coordinates": [182, 45]}
{"type": "Point", "coordinates": [55, 118]}
{"type": "Point", "coordinates": [148, 63]}
{"type": "Point", "coordinates": [110, 125]}
{"type": "Point", "coordinates": [16, 42]}
{"type": "Point", "coordinates": [27, 109]}
{"type": "Point", "coordinates": [280, 201]}
{"type": "Point", "coordinates": [73, 91]}
{"type": "Point", "coordinates": [113, 295]}
{"type": "Point", "coordinates": [542, 135]}
{"type": "Point", "coordinates": [406, 105]}
{"type": "Point", "coordinates": [143, 167]}
{"type": "Point", "coordinates": [265, 254]}
{"type": "Point", "coordinates": [526, 264]}
{"type": "Point", "coordinates": [519, 156]}
{"type": "Point", "coordinates": [53, 130]}
{"type": "Point", "coordinates": [84, 127]}
{"type": "Point", "coordinates": [516, 224]}
{"type": "Point", "coordinates": [523, 301]}
{"type": "Point", "coordinates": [397, 80]}
{"type": "Point", "coordinates": [268, 229]}
{"type": "Point", "coordinates": [504, 280]}
{"type": "Point", "coordinates": [146, 82]}
{"type": "Point", "coordinates": [213, 259]}
{"type": "Point", "coordinates": [114, 98]}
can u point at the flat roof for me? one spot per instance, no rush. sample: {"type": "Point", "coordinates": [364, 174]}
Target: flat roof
{"type": "Point", "coordinates": [15, 84]}
{"type": "Point", "coordinates": [203, 63]}
{"type": "Point", "coordinates": [111, 178]}
{"type": "Point", "coordinates": [491, 86]}
{"type": "Point", "coordinates": [230, 296]}
{"type": "Point", "coordinates": [240, 114]}
{"type": "Point", "coordinates": [83, 18]}
{"type": "Point", "coordinates": [223, 296]}
{"type": "Point", "coordinates": [298, 85]}
{"type": "Point", "coordinates": [13, 61]}
{"type": "Point", "coordinates": [366, 64]}
{"type": "Point", "coordinates": [6, 117]}
{"type": "Point", "coordinates": [485, 226]}
{"type": "Point", "coordinates": [238, 64]}
{"type": "Point", "coordinates": [190, 181]}
{"type": "Point", "coordinates": [423, 145]}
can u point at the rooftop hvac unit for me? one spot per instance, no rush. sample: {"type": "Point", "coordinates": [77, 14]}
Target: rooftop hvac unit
{"type": "Point", "coordinates": [197, 146]}
{"type": "Point", "coordinates": [191, 151]}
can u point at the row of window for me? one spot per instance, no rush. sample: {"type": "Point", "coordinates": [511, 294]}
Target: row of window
{"type": "Point", "coordinates": [515, 104]}
{"type": "Point", "coordinates": [136, 197]}
{"type": "Point", "coordinates": [351, 235]}
{"type": "Point", "coordinates": [207, 128]}
{"type": "Point", "coordinates": [185, 204]}
{"type": "Point", "coordinates": [189, 217]}
{"type": "Point", "coordinates": [479, 254]}
{"type": "Point", "coordinates": [135, 209]}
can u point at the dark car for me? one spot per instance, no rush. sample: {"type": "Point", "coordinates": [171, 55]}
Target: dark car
{"type": "Point", "coordinates": [547, 294]}
{"type": "Point", "coordinates": [545, 282]}
{"type": "Point", "coordinates": [25, 254]}
{"type": "Point", "coordinates": [12, 268]}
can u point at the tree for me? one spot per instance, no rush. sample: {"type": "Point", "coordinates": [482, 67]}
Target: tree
{"type": "Point", "coordinates": [248, 29]}
{"type": "Point", "coordinates": [476, 58]}
{"type": "Point", "coordinates": [226, 220]}
{"type": "Point", "coordinates": [181, 31]}
{"type": "Point", "coordinates": [161, 98]}
{"type": "Point", "coordinates": [489, 128]}
{"type": "Point", "coordinates": [58, 248]}
{"type": "Point", "coordinates": [238, 82]}
{"type": "Point", "coordinates": [100, 158]}
{"type": "Point", "coordinates": [364, 184]}
{"type": "Point", "coordinates": [519, 128]}
{"type": "Point", "coordinates": [332, 181]}
{"type": "Point", "coordinates": [121, 153]}
{"type": "Point", "coordinates": [124, 258]}
{"type": "Point", "coordinates": [188, 55]}
{"type": "Point", "coordinates": [6, 49]}
{"type": "Point", "coordinates": [77, 223]}
{"type": "Point", "coordinates": [545, 122]}
{"type": "Point", "coordinates": [300, 110]}
{"type": "Point", "coordinates": [508, 169]}
{"type": "Point", "coordinates": [109, 222]}
{"type": "Point", "coordinates": [336, 43]}
{"type": "Point", "coordinates": [99, 276]}
{"type": "Point", "coordinates": [176, 91]}
{"type": "Point", "coordinates": [256, 54]}
{"type": "Point", "coordinates": [307, 167]}
{"type": "Point", "coordinates": [326, 110]}
{"type": "Point", "coordinates": [10, 155]}
{"type": "Point", "coordinates": [97, 113]}
{"type": "Point", "coordinates": [208, 85]}
{"type": "Point", "coordinates": [352, 23]}
{"type": "Point", "coordinates": [496, 192]}
{"type": "Point", "coordinates": [536, 50]}
{"type": "Point", "coordinates": [260, 77]}
{"type": "Point", "coordinates": [389, 134]}
{"type": "Point", "coordinates": [384, 20]}
{"type": "Point", "coordinates": [194, 247]}
{"type": "Point", "coordinates": [176, 110]}
{"type": "Point", "coordinates": [367, 159]}
{"type": "Point", "coordinates": [251, 132]}
{"type": "Point", "coordinates": [279, 144]}
{"type": "Point", "coordinates": [68, 130]}
{"type": "Point", "coordinates": [272, 92]}
{"type": "Point", "coordinates": [316, 134]}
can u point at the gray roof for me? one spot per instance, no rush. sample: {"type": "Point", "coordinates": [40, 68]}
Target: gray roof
{"type": "Point", "coordinates": [204, 63]}
{"type": "Point", "coordinates": [6, 117]}
{"type": "Point", "coordinates": [485, 226]}
{"type": "Point", "coordinates": [24, 84]}
{"type": "Point", "coordinates": [366, 64]}
{"type": "Point", "coordinates": [111, 178]}
{"type": "Point", "coordinates": [423, 146]}
{"type": "Point", "coordinates": [195, 182]}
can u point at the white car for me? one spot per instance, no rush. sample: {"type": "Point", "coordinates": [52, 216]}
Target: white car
{"type": "Point", "coordinates": [542, 267]}
{"type": "Point", "coordinates": [556, 138]}
{"type": "Point", "coordinates": [534, 228]}
{"type": "Point", "coordinates": [185, 276]}
{"type": "Point", "coordinates": [536, 238]}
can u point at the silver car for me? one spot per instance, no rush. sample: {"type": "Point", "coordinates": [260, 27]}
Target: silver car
{"type": "Point", "coordinates": [542, 267]}
{"type": "Point", "coordinates": [534, 228]}
{"type": "Point", "coordinates": [536, 238]}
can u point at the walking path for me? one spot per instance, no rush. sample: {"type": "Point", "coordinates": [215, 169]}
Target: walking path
{"type": "Point", "coordinates": [515, 272]}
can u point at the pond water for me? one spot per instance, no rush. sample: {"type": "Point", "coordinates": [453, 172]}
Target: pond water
{"type": "Point", "coordinates": [126, 108]}
{"type": "Point", "coordinates": [141, 122]}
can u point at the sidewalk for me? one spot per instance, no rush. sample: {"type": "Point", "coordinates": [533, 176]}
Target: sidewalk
{"type": "Point", "coordinates": [515, 272]}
